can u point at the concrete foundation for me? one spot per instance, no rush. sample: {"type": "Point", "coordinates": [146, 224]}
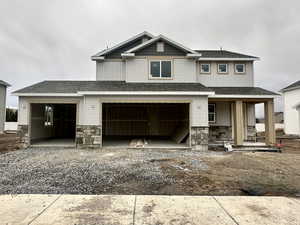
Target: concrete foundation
{"type": "Point", "coordinates": [88, 136]}
{"type": "Point", "coordinates": [199, 138]}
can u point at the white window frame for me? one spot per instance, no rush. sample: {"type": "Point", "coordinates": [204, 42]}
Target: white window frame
{"type": "Point", "coordinates": [238, 64]}
{"type": "Point", "coordinates": [160, 77]}
{"type": "Point", "coordinates": [209, 66]}
{"type": "Point", "coordinates": [212, 113]}
{"type": "Point", "coordinates": [221, 71]}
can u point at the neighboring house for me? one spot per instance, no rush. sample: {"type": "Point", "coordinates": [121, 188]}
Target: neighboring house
{"type": "Point", "coordinates": [154, 88]}
{"type": "Point", "coordinates": [291, 98]}
{"type": "Point", "coordinates": [3, 87]}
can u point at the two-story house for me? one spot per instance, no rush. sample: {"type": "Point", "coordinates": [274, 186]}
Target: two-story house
{"type": "Point", "coordinates": [151, 88]}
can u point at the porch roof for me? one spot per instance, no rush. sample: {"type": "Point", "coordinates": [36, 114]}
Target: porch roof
{"type": "Point", "coordinates": [242, 91]}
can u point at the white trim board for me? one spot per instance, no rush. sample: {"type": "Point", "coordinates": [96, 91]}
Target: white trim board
{"type": "Point", "coordinates": [242, 96]}
{"type": "Point", "coordinates": [146, 93]}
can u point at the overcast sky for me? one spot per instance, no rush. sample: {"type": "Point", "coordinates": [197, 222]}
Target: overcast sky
{"type": "Point", "coordinates": [42, 39]}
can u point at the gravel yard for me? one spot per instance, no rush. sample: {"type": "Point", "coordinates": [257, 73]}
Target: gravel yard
{"type": "Point", "coordinates": [121, 171]}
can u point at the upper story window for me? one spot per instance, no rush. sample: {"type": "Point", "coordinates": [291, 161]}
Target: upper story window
{"type": "Point", "coordinates": [240, 68]}
{"type": "Point", "coordinates": [161, 69]}
{"type": "Point", "coordinates": [204, 68]}
{"type": "Point", "coordinates": [222, 68]}
{"type": "Point", "coordinates": [212, 113]}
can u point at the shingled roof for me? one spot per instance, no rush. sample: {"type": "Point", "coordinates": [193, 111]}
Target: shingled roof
{"type": "Point", "coordinates": [223, 54]}
{"type": "Point", "coordinates": [241, 91]}
{"type": "Point", "coordinates": [64, 86]}
{"type": "Point", "coordinates": [3, 83]}
{"type": "Point", "coordinates": [292, 86]}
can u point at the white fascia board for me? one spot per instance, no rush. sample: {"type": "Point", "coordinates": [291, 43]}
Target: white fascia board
{"type": "Point", "coordinates": [47, 94]}
{"type": "Point", "coordinates": [127, 55]}
{"type": "Point", "coordinates": [146, 93]}
{"type": "Point", "coordinates": [163, 38]}
{"type": "Point", "coordinates": [189, 55]}
{"type": "Point", "coordinates": [289, 89]}
{"type": "Point", "coordinates": [124, 42]}
{"type": "Point", "coordinates": [98, 58]}
{"type": "Point", "coordinates": [243, 96]}
{"type": "Point", "coordinates": [228, 59]}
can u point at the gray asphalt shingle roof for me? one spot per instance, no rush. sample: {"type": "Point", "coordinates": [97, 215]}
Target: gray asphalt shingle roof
{"type": "Point", "coordinates": [64, 86]}
{"type": "Point", "coordinates": [223, 54]}
{"type": "Point", "coordinates": [241, 91]}
{"type": "Point", "coordinates": [75, 86]}
{"type": "Point", "coordinates": [4, 83]}
{"type": "Point", "coordinates": [292, 86]}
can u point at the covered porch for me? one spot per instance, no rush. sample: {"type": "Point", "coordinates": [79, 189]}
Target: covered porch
{"type": "Point", "coordinates": [232, 119]}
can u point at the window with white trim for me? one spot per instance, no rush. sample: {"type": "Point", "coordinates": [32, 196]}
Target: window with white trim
{"type": "Point", "coordinates": [222, 68]}
{"type": "Point", "coordinates": [240, 68]}
{"type": "Point", "coordinates": [48, 116]}
{"type": "Point", "coordinates": [204, 68]}
{"type": "Point", "coordinates": [211, 113]}
{"type": "Point", "coordinates": [161, 69]}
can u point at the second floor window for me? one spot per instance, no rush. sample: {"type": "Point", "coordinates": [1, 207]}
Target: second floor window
{"type": "Point", "coordinates": [205, 68]}
{"type": "Point", "coordinates": [160, 69]}
{"type": "Point", "coordinates": [222, 68]}
{"type": "Point", "coordinates": [239, 68]}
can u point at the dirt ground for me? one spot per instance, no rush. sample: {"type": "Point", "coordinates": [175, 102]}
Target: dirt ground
{"type": "Point", "coordinates": [8, 142]}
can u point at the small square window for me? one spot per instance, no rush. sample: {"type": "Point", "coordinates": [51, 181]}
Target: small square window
{"type": "Point", "coordinates": [205, 68]}
{"type": "Point", "coordinates": [240, 68]}
{"type": "Point", "coordinates": [222, 68]}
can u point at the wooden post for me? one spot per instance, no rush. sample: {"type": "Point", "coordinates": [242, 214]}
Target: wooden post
{"type": "Point", "coordinates": [270, 136]}
{"type": "Point", "coordinates": [238, 122]}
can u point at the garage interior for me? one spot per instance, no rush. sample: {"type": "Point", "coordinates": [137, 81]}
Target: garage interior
{"type": "Point", "coordinates": [145, 125]}
{"type": "Point", "coordinates": [53, 124]}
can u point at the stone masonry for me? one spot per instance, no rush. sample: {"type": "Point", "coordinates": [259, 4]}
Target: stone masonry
{"type": "Point", "coordinates": [199, 138]}
{"type": "Point", "coordinates": [23, 134]}
{"type": "Point", "coordinates": [88, 136]}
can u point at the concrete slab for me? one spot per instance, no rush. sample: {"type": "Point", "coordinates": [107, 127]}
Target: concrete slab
{"type": "Point", "coordinates": [261, 210]}
{"type": "Point", "coordinates": [88, 209]}
{"type": "Point", "coordinates": [189, 210]}
{"type": "Point", "coordinates": [22, 209]}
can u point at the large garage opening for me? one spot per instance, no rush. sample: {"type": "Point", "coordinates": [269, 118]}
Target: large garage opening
{"type": "Point", "coordinates": [53, 124]}
{"type": "Point", "coordinates": [146, 125]}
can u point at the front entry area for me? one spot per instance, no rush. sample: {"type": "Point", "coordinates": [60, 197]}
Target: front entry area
{"type": "Point", "coordinates": [145, 125]}
{"type": "Point", "coordinates": [53, 124]}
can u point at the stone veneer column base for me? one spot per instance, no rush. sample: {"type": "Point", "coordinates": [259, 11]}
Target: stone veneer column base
{"type": "Point", "coordinates": [23, 134]}
{"type": "Point", "coordinates": [88, 136]}
{"type": "Point", "coordinates": [199, 138]}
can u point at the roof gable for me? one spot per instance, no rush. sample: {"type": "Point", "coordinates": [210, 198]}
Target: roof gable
{"type": "Point", "coordinates": [164, 39]}
{"type": "Point", "coordinates": [3, 83]}
{"type": "Point", "coordinates": [124, 46]}
{"type": "Point", "coordinates": [295, 85]}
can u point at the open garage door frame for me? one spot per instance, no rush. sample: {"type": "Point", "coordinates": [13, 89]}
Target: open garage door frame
{"type": "Point", "coordinates": [53, 124]}
{"type": "Point", "coordinates": [148, 121]}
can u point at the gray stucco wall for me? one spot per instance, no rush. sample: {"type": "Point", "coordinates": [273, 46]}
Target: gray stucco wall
{"type": "Point", "coordinates": [2, 107]}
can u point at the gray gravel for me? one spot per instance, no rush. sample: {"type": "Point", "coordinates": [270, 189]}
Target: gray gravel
{"type": "Point", "coordinates": [73, 171]}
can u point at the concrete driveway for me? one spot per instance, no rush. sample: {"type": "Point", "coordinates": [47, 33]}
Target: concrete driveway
{"type": "Point", "coordinates": [144, 210]}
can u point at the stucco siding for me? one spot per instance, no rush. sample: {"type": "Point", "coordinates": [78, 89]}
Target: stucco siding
{"type": "Point", "coordinates": [183, 70]}
{"type": "Point", "coordinates": [110, 70]}
{"type": "Point", "coordinates": [291, 116]}
{"type": "Point", "coordinates": [230, 79]}
{"type": "Point", "coordinates": [2, 107]}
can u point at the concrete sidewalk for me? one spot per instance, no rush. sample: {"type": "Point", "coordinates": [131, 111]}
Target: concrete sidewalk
{"type": "Point", "coordinates": [142, 210]}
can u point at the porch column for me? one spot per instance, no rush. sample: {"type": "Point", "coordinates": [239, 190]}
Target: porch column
{"type": "Point", "coordinates": [238, 122]}
{"type": "Point", "coordinates": [270, 137]}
